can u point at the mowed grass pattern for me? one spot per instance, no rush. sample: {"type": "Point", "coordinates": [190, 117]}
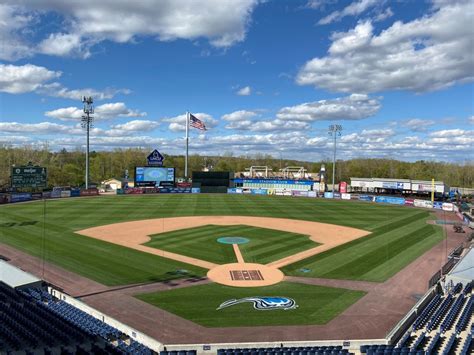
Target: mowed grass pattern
{"type": "Point", "coordinates": [317, 304]}
{"type": "Point", "coordinates": [375, 257]}
{"type": "Point", "coordinates": [265, 245]}
{"type": "Point", "coordinates": [114, 265]}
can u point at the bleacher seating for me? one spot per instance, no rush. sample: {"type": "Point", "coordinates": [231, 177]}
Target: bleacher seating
{"type": "Point", "coordinates": [32, 321]}
{"type": "Point", "coordinates": [300, 350]}
{"type": "Point", "coordinates": [440, 328]}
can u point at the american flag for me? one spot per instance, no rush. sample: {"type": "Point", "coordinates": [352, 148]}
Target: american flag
{"type": "Point", "coordinates": [196, 123]}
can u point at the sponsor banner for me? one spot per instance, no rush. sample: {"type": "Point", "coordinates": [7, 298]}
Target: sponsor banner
{"type": "Point", "coordinates": [232, 190]}
{"type": "Point", "coordinates": [75, 192]}
{"type": "Point", "coordinates": [4, 198]}
{"type": "Point", "coordinates": [47, 194]}
{"type": "Point", "coordinates": [337, 195]}
{"type": "Point", "coordinates": [438, 205]}
{"type": "Point", "coordinates": [391, 200]}
{"type": "Point", "coordinates": [343, 187]}
{"type": "Point", "coordinates": [366, 198]}
{"type": "Point", "coordinates": [65, 193]}
{"type": "Point", "coordinates": [131, 191]}
{"type": "Point", "coordinates": [196, 190]}
{"type": "Point", "coordinates": [183, 184]}
{"type": "Point", "coordinates": [37, 195]}
{"type": "Point", "coordinates": [258, 191]}
{"type": "Point", "coordinates": [273, 181]}
{"type": "Point", "coordinates": [271, 191]}
{"type": "Point", "coordinates": [423, 204]}
{"type": "Point", "coordinates": [392, 185]}
{"type": "Point", "coordinates": [409, 202]}
{"type": "Point", "coordinates": [89, 192]}
{"type": "Point", "coordinates": [119, 191]}
{"type": "Point", "coordinates": [20, 197]}
{"type": "Point", "coordinates": [312, 194]}
{"type": "Point", "coordinates": [448, 207]}
{"type": "Point", "coordinates": [180, 190]}
{"type": "Point", "coordinates": [56, 193]}
{"type": "Point", "coordinates": [328, 195]}
{"type": "Point", "coordinates": [299, 193]}
{"type": "Point", "coordinates": [346, 196]}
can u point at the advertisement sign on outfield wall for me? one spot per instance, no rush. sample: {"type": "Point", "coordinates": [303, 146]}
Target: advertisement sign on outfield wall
{"type": "Point", "coordinates": [343, 187]}
{"type": "Point", "coordinates": [409, 202]}
{"type": "Point", "coordinates": [346, 196]}
{"type": "Point", "coordinates": [391, 200]}
{"type": "Point", "coordinates": [366, 198]}
{"type": "Point", "coordinates": [312, 194]}
{"type": "Point", "coordinates": [328, 195]}
{"type": "Point", "coordinates": [438, 205]}
{"type": "Point", "coordinates": [20, 197]}
{"type": "Point", "coordinates": [299, 193]}
{"type": "Point", "coordinates": [423, 203]}
{"type": "Point", "coordinates": [449, 207]}
{"type": "Point", "coordinates": [197, 190]}
{"type": "Point", "coordinates": [258, 191]}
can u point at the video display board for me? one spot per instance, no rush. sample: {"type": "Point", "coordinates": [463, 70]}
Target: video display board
{"type": "Point", "coordinates": [153, 175]}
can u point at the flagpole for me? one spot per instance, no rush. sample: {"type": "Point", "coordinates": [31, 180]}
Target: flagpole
{"type": "Point", "coordinates": [187, 146]}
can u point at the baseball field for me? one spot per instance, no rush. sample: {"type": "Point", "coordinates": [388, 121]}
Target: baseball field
{"type": "Point", "coordinates": [109, 240]}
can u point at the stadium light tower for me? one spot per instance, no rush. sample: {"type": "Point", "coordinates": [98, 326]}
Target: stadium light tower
{"type": "Point", "coordinates": [87, 123]}
{"type": "Point", "coordinates": [334, 131]}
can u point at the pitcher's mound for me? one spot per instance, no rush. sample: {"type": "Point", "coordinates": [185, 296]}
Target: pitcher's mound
{"type": "Point", "coordinates": [245, 275]}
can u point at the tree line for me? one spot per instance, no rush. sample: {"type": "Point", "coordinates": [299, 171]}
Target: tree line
{"type": "Point", "coordinates": [67, 168]}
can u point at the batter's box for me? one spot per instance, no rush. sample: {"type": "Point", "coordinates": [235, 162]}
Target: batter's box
{"type": "Point", "coordinates": [246, 275]}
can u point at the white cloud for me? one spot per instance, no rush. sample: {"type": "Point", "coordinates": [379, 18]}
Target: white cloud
{"type": "Point", "coordinates": [419, 125]}
{"type": "Point", "coordinates": [178, 123]}
{"type": "Point", "coordinates": [137, 125]}
{"type": "Point", "coordinates": [245, 91]}
{"type": "Point", "coordinates": [239, 115]}
{"type": "Point", "coordinates": [12, 20]}
{"type": "Point", "coordinates": [36, 128]}
{"type": "Point", "coordinates": [20, 79]}
{"type": "Point", "coordinates": [428, 53]}
{"type": "Point", "coordinates": [88, 22]}
{"type": "Point", "coordinates": [353, 107]}
{"type": "Point", "coordinates": [471, 120]}
{"type": "Point", "coordinates": [451, 133]}
{"type": "Point", "coordinates": [105, 111]}
{"type": "Point", "coordinates": [354, 9]}
{"type": "Point", "coordinates": [383, 15]}
{"type": "Point", "coordinates": [268, 125]}
{"type": "Point", "coordinates": [26, 78]}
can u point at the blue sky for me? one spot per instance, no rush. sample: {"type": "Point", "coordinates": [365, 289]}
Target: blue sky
{"type": "Point", "coordinates": [265, 76]}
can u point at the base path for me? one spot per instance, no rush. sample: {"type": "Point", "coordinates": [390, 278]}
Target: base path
{"type": "Point", "coordinates": [238, 254]}
{"type": "Point", "coordinates": [134, 234]}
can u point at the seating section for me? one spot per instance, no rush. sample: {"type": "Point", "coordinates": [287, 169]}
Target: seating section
{"type": "Point", "coordinates": [443, 326]}
{"type": "Point", "coordinates": [307, 350]}
{"type": "Point", "coordinates": [32, 321]}
{"type": "Point", "coordinates": [178, 352]}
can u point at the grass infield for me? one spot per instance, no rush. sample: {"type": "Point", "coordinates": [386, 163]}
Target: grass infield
{"type": "Point", "coordinates": [265, 245]}
{"type": "Point", "coordinates": [46, 230]}
{"type": "Point", "coordinates": [316, 304]}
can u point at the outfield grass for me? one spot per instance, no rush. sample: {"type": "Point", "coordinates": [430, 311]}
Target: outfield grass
{"type": "Point", "coordinates": [316, 304]}
{"type": "Point", "coordinates": [374, 257]}
{"type": "Point", "coordinates": [265, 245]}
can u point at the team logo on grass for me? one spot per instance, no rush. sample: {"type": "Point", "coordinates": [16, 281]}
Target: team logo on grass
{"type": "Point", "coordinates": [263, 303]}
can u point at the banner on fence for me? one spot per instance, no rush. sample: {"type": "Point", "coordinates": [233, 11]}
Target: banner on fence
{"type": "Point", "coordinates": [312, 194]}
{"type": "Point", "coordinates": [438, 205]}
{"type": "Point", "coordinates": [20, 197]}
{"type": "Point", "coordinates": [89, 192]}
{"type": "Point", "coordinates": [258, 191]}
{"type": "Point", "coordinates": [346, 196]}
{"type": "Point", "coordinates": [75, 192]}
{"type": "Point", "coordinates": [409, 202]}
{"type": "Point", "coordinates": [328, 195]}
{"type": "Point", "coordinates": [299, 193]}
{"type": "Point", "coordinates": [366, 198]}
{"type": "Point", "coordinates": [423, 203]}
{"type": "Point", "coordinates": [449, 207]}
{"type": "Point", "coordinates": [65, 193]}
{"type": "Point", "coordinates": [196, 190]}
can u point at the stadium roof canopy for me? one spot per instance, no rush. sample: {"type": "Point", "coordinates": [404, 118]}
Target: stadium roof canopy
{"type": "Point", "coordinates": [15, 277]}
{"type": "Point", "coordinates": [464, 270]}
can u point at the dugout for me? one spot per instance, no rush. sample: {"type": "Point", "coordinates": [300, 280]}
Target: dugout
{"type": "Point", "coordinates": [212, 181]}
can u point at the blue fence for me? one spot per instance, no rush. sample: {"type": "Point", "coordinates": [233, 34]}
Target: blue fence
{"type": "Point", "coordinates": [391, 200]}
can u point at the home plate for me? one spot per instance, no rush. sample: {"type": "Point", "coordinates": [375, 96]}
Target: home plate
{"type": "Point", "coordinates": [245, 275]}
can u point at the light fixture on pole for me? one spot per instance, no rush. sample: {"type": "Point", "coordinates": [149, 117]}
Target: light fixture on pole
{"type": "Point", "coordinates": [334, 131]}
{"type": "Point", "coordinates": [87, 123]}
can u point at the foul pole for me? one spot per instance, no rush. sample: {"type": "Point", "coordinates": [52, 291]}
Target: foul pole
{"type": "Point", "coordinates": [187, 146]}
